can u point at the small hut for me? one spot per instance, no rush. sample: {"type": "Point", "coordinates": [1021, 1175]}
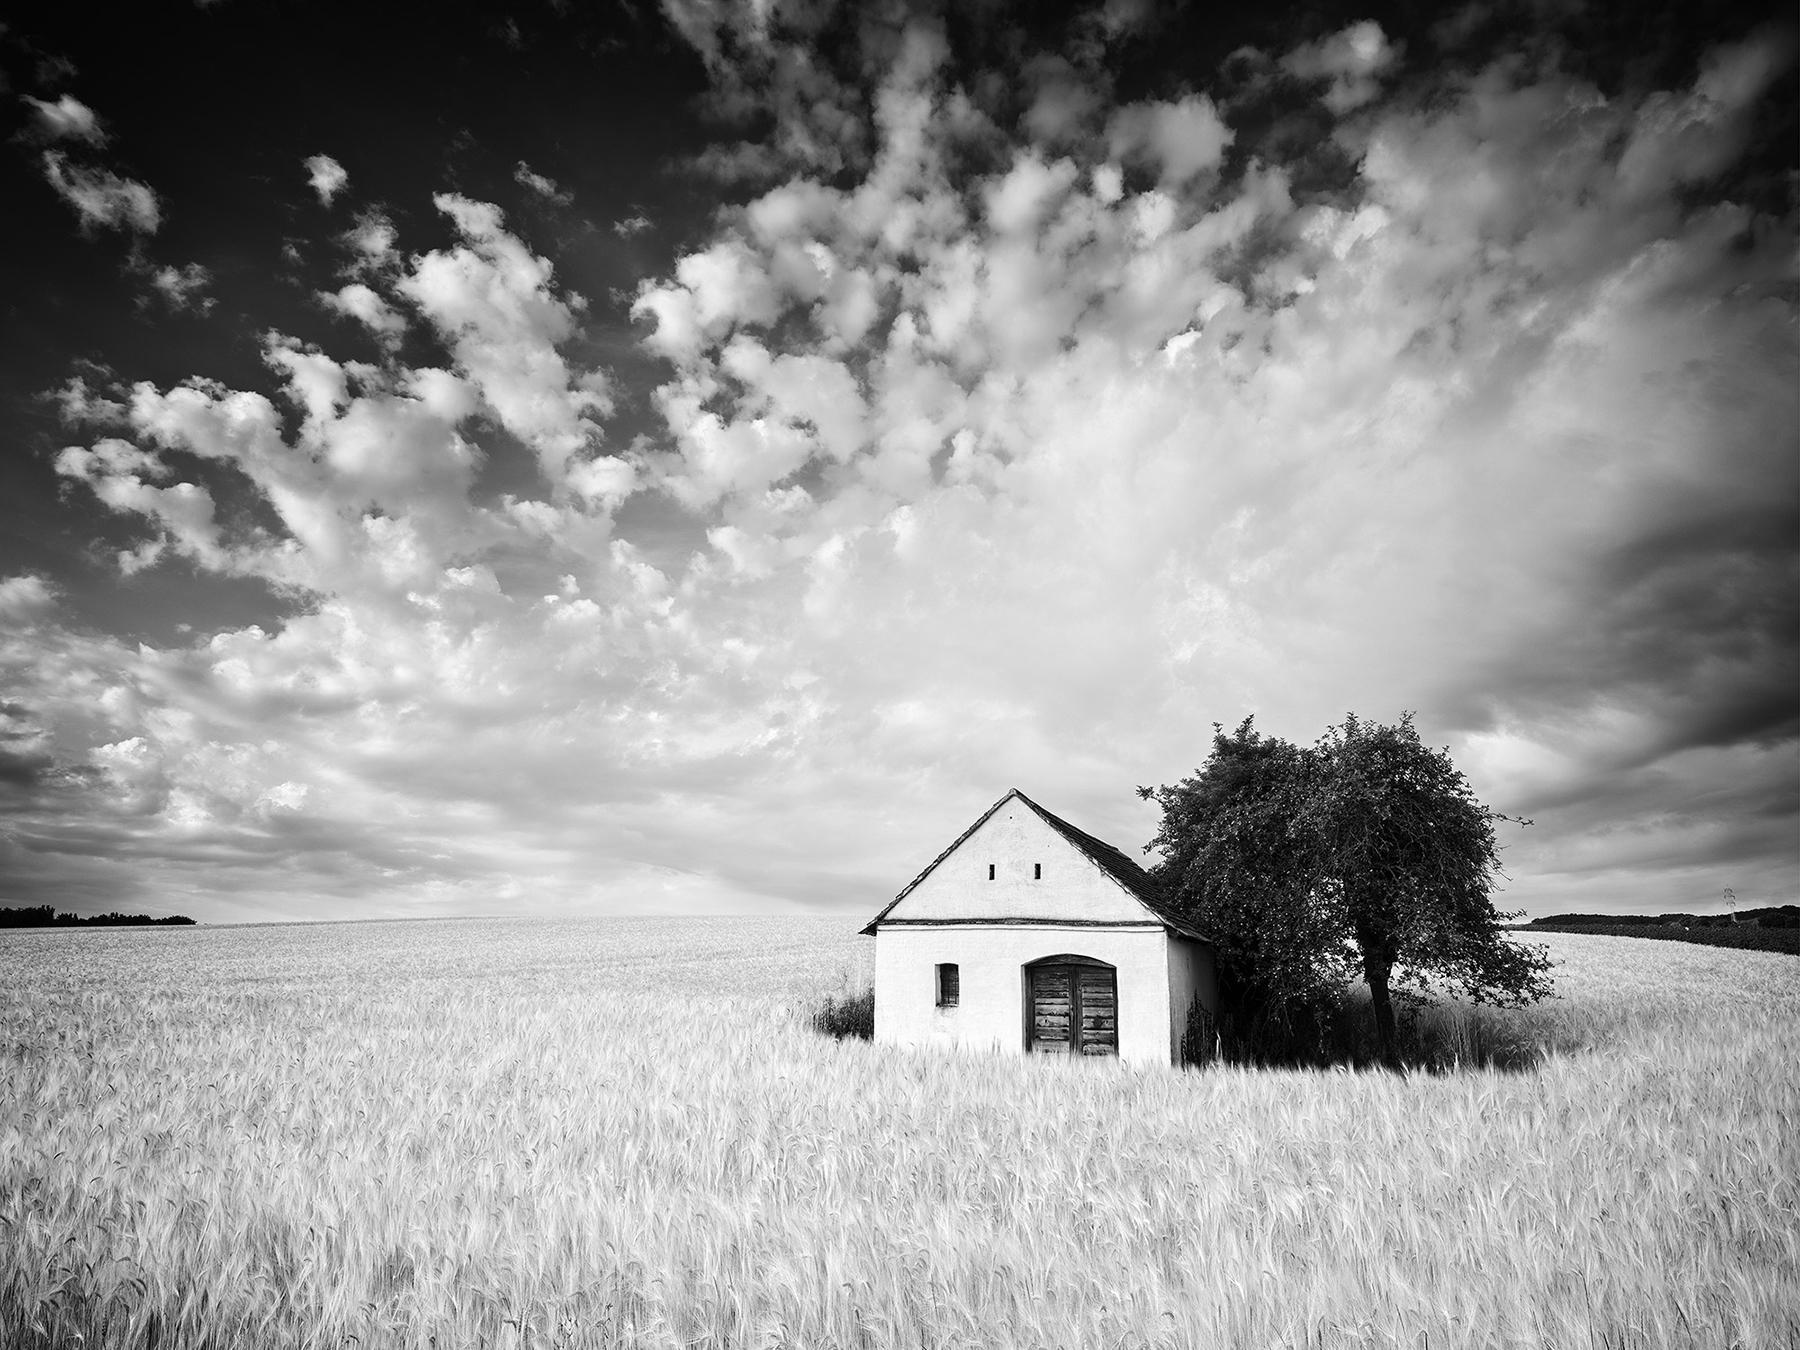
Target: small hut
{"type": "Point", "coordinates": [1028, 935]}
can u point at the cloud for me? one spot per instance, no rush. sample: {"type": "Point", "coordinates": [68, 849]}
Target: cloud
{"type": "Point", "coordinates": [370, 493]}
{"type": "Point", "coordinates": [101, 198]}
{"type": "Point", "coordinates": [492, 301]}
{"type": "Point", "coordinates": [1178, 139]}
{"type": "Point", "coordinates": [371, 243]}
{"type": "Point", "coordinates": [122, 476]}
{"type": "Point", "coordinates": [182, 288]}
{"type": "Point", "coordinates": [25, 597]}
{"type": "Point", "coordinates": [67, 119]}
{"type": "Point", "coordinates": [1121, 17]}
{"type": "Point", "coordinates": [79, 403]}
{"type": "Point", "coordinates": [544, 187]}
{"type": "Point", "coordinates": [1065, 101]}
{"type": "Point", "coordinates": [630, 225]}
{"type": "Point", "coordinates": [326, 177]}
{"type": "Point", "coordinates": [1344, 394]}
{"type": "Point", "coordinates": [985, 448]}
{"type": "Point", "coordinates": [714, 292]}
{"type": "Point", "coordinates": [359, 302]}
{"type": "Point", "coordinates": [780, 65]}
{"type": "Point", "coordinates": [1352, 62]}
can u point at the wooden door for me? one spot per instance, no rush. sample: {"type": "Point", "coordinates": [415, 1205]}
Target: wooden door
{"type": "Point", "coordinates": [1052, 1009]}
{"type": "Point", "coordinates": [1097, 1009]}
{"type": "Point", "coordinates": [1074, 1009]}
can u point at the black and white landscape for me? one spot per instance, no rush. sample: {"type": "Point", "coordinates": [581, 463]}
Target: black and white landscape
{"type": "Point", "coordinates": [572, 460]}
{"type": "Point", "coordinates": [523, 526]}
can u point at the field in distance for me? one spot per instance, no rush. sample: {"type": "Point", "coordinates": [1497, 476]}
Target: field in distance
{"type": "Point", "coordinates": [620, 1133]}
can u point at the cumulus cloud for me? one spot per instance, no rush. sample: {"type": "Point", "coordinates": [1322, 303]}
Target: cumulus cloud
{"type": "Point", "coordinates": [25, 597]}
{"type": "Point", "coordinates": [1065, 101]}
{"type": "Point", "coordinates": [1178, 139]}
{"type": "Point", "coordinates": [997, 442]}
{"type": "Point", "coordinates": [101, 198]}
{"type": "Point", "coordinates": [326, 177]}
{"type": "Point", "coordinates": [493, 302]}
{"type": "Point", "coordinates": [182, 288]}
{"type": "Point", "coordinates": [359, 302]}
{"type": "Point", "coordinates": [67, 119]}
{"type": "Point", "coordinates": [122, 476]}
{"type": "Point", "coordinates": [776, 63]}
{"type": "Point", "coordinates": [713, 292]}
{"type": "Point", "coordinates": [372, 495]}
{"type": "Point", "coordinates": [371, 243]}
{"type": "Point", "coordinates": [81, 404]}
{"type": "Point", "coordinates": [1351, 63]}
{"type": "Point", "coordinates": [1348, 398]}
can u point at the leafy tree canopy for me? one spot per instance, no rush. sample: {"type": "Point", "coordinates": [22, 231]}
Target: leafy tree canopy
{"type": "Point", "coordinates": [1364, 855]}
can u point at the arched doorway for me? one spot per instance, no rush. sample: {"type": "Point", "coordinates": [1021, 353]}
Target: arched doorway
{"type": "Point", "coordinates": [1071, 1006]}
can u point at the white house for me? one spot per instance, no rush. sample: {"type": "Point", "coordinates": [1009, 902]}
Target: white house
{"type": "Point", "coordinates": [1029, 935]}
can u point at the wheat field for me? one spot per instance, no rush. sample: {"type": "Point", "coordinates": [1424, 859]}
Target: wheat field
{"type": "Point", "coordinates": [621, 1133]}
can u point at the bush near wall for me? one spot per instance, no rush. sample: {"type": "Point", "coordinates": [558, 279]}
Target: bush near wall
{"type": "Point", "coordinates": [845, 1016]}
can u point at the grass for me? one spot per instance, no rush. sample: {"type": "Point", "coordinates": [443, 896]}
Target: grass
{"type": "Point", "coordinates": [1746, 937]}
{"type": "Point", "coordinates": [624, 1133]}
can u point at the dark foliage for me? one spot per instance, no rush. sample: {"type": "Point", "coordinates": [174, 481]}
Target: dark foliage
{"type": "Point", "coordinates": [42, 916]}
{"type": "Point", "coordinates": [1364, 856]}
{"type": "Point", "coordinates": [1199, 1035]}
{"type": "Point", "coordinates": [1345, 1035]}
{"type": "Point", "coordinates": [1229, 859]}
{"type": "Point", "coordinates": [1410, 856]}
{"type": "Point", "coordinates": [845, 1016]}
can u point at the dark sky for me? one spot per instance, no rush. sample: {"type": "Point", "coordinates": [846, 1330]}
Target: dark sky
{"type": "Point", "coordinates": [463, 459]}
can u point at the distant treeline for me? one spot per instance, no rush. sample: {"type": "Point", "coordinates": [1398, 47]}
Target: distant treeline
{"type": "Point", "coordinates": [1774, 916]}
{"type": "Point", "coordinates": [1775, 929]}
{"type": "Point", "coordinates": [42, 916]}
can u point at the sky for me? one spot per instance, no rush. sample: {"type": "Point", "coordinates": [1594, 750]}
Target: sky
{"type": "Point", "coordinates": [563, 459]}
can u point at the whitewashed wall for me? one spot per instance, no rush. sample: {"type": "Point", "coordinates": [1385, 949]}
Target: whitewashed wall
{"type": "Point", "coordinates": [1192, 973]}
{"type": "Point", "coordinates": [1012, 840]}
{"type": "Point", "coordinates": [992, 1011]}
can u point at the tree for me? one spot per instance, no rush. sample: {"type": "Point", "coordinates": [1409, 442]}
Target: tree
{"type": "Point", "coordinates": [1365, 854]}
{"type": "Point", "coordinates": [1232, 858]}
{"type": "Point", "coordinates": [1408, 859]}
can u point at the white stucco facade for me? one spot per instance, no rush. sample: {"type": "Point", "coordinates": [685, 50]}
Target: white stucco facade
{"type": "Point", "coordinates": [1016, 842]}
{"type": "Point", "coordinates": [1192, 975]}
{"type": "Point", "coordinates": [1022, 886]}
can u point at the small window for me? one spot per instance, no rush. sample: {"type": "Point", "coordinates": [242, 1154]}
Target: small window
{"type": "Point", "coordinates": [990, 871]}
{"type": "Point", "coordinates": [949, 985]}
{"type": "Point", "coordinates": [1037, 871]}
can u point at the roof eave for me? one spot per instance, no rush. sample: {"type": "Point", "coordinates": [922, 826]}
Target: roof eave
{"type": "Point", "coordinates": [931, 867]}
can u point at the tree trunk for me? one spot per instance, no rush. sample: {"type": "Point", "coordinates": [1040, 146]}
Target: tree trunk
{"type": "Point", "coordinates": [1376, 970]}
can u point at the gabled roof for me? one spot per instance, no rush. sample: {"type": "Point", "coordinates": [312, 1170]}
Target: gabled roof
{"type": "Point", "coordinates": [1136, 882]}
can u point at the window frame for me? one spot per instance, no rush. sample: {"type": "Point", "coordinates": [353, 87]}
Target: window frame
{"type": "Point", "coordinates": [952, 998]}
